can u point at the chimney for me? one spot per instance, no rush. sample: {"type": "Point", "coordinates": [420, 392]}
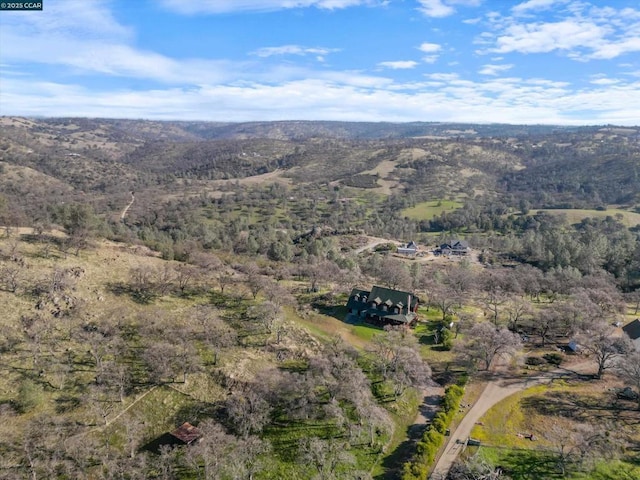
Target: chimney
{"type": "Point", "coordinates": [408, 304]}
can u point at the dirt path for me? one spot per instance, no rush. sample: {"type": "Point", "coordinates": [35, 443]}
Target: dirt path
{"type": "Point", "coordinates": [496, 390]}
{"type": "Point", "coordinates": [126, 209]}
{"type": "Point", "coordinates": [372, 243]}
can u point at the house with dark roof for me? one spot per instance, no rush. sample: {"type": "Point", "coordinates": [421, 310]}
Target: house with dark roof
{"type": "Point", "coordinates": [632, 329]}
{"type": "Point", "coordinates": [384, 306]}
{"type": "Point", "coordinates": [454, 247]}
{"type": "Point", "coordinates": [410, 249]}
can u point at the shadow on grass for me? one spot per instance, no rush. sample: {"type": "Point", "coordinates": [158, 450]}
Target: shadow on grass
{"type": "Point", "coordinates": [572, 405]}
{"type": "Point", "coordinates": [141, 296]}
{"type": "Point", "coordinates": [529, 465]}
{"type": "Point", "coordinates": [394, 462]}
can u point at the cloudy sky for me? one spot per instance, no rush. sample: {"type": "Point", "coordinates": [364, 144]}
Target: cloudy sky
{"type": "Point", "coordinates": [534, 61]}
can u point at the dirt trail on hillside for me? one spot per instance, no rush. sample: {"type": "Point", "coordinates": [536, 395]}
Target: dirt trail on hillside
{"type": "Point", "coordinates": [126, 209]}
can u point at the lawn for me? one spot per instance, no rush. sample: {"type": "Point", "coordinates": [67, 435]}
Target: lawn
{"type": "Point", "coordinates": [429, 210]}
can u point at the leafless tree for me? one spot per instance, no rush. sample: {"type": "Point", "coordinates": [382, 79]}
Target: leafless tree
{"type": "Point", "coordinates": [394, 273]}
{"type": "Point", "coordinates": [634, 299]}
{"type": "Point", "coordinates": [605, 347]}
{"type": "Point", "coordinates": [445, 299]}
{"type": "Point", "coordinates": [255, 283]}
{"type": "Point", "coordinates": [474, 468]}
{"type": "Point", "coordinates": [10, 277]}
{"type": "Point", "coordinates": [325, 457]}
{"type": "Point", "coordinates": [247, 412]}
{"type": "Point", "coordinates": [486, 342]}
{"type": "Point", "coordinates": [397, 358]}
{"type": "Point", "coordinates": [628, 367]}
{"type": "Point", "coordinates": [225, 279]}
{"type": "Point", "coordinates": [185, 275]}
{"type": "Point", "coordinates": [517, 310]}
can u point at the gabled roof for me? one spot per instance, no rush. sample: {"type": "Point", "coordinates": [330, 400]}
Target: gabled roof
{"type": "Point", "coordinates": [632, 329]}
{"type": "Point", "coordinates": [352, 303]}
{"type": "Point", "coordinates": [395, 296]}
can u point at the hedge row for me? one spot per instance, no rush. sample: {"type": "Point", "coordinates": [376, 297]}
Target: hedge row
{"type": "Point", "coordinates": [433, 438]}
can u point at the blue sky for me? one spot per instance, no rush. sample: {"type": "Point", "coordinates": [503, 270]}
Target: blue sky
{"type": "Point", "coordinates": [530, 61]}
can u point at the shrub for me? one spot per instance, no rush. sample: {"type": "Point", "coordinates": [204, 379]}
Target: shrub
{"type": "Point", "coordinates": [447, 339]}
{"type": "Point", "coordinates": [553, 358]}
{"type": "Point", "coordinates": [534, 361]}
{"type": "Point", "coordinates": [29, 396]}
{"type": "Point", "coordinates": [432, 440]}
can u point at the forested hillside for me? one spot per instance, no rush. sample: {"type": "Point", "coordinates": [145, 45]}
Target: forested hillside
{"type": "Point", "coordinates": [157, 273]}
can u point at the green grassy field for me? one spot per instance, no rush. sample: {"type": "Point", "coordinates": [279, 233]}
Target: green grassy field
{"type": "Point", "coordinates": [546, 412]}
{"type": "Point", "coordinates": [428, 210]}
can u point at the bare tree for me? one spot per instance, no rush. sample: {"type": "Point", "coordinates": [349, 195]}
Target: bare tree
{"type": "Point", "coordinates": [185, 275]}
{"type": "Point", "coordinates": [517, 310]}
{"type": "Point", "coordinates": [247, 412]}
{"type": "Point", "coordinates": [215, 332]}
{"type": "Point", "coordinates": [225, 279]}
{"type": "Point", "coordinates": [634, 299]}
{"type": "Point", "coordinates": [10, 277]}
{"type": "Point", "coordinates": [628, 367]}
{"type": "Point", "coordinates": [445, 299]}
{"type": "Point", "coordinates": [486, 342]}
{"type": "Point", "coordinates": [604, 346]}
{"type": "Point", "coordinates": [397, 358]}
{"type": "Point", "coordinates": [394, 273]}
{"type": "Point", "coordinates": [326, 457]}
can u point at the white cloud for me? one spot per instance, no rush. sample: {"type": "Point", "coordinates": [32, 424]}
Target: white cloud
{"type": "Point", "coordinates": [615, 49]}
{"type": "Point", "coordinates": [580, 30]}
{"type": "Point", "coordinates": [604, 81]}
{"type": "Point", "coordinates": [349, 97]}
{"type": "Point", "coordinates": [494, 70]}
{"type": "Point", "coordinates": [399, 64]}
{"type": "Point", "coordinates": [293, 50]}
{"type": "Point", "coordinates": [432, 49]}
{"type": "Point", "coordinates": [429, 47]}
{"type": "Point", "coordinates": [91, 41]}
{"type": "Point", "coordinates": [537, 5]}
{"type": "Point", "coordinates": [547, 37]}
{"type": "Point", "coordinates": [228, 6]}
{"type": "Point", "coordinates": [443, 8]}
{"type": "Point", "coordinates": [435, 8]}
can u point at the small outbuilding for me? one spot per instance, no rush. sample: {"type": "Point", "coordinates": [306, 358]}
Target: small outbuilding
{"type": "Point", "coordinates": [185, 434]}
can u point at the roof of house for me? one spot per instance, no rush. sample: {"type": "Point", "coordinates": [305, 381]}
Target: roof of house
{"type": "Point", "coordinates": [381, 295]}
{"type": "Point", "coordinates": [632, 329]}
{"type": "Point", "coordinates": [353, 303]}
{"type": "Point", "coordinates": [187, 433]}
{"type": "Point", "coordinates": [401, 317]}
{"type": "Point", "coordinates": [456, 245]}
{"type": "Point", "coordinates": [395, 296]}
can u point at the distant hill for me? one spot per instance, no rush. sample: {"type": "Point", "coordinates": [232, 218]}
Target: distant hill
{"type": "Point", "coordinates": [101, 160]}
